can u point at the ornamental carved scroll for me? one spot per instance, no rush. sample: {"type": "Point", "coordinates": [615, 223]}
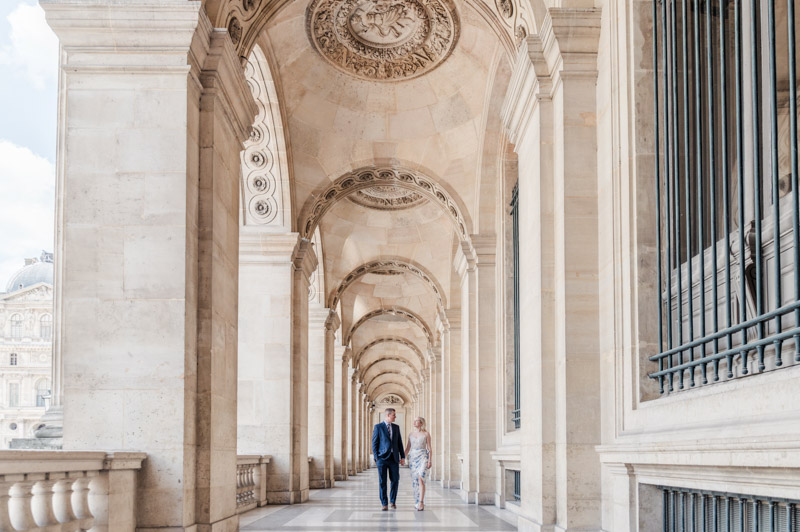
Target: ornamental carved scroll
{"type": "Point", "coordinates": [384, 40]}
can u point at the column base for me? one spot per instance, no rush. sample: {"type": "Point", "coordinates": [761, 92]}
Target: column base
{"type": "Point", "coordinates": [340, 478]}
{"type": "Point", "coordinates": [230, 524]}
{"type": "Point", "coordinates": [530, 525]}
{"type": "Point", "coordinates": [287, 497]}
{"type": "Point", "coordinates": [320, 484]}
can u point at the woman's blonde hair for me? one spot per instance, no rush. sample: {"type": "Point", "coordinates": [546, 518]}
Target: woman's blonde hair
{"type": "Point", "coordinates": [422, 421]}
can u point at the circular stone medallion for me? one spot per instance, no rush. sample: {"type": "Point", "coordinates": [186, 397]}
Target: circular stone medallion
{"type": "Point", "coordinates": [384, 40]}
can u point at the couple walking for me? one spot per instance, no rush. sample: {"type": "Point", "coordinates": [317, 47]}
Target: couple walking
{"type": "Point", "coordinates": [387, 449]}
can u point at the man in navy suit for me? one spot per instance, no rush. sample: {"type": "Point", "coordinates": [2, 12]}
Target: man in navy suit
{"type": "Point", "coordinates": [387, 449]}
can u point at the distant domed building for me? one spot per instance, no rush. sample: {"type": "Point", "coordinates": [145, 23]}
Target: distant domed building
{"type": "Point", "coordinates": [26, 348]}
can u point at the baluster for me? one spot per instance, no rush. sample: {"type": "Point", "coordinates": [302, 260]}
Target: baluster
{"type": "Point", "coordinates": [5, 518]}
{"type": "Point", "coordinates": [80, 503]}
{"type": "Point", "coordinates": [19, 506]}
{"type": "Point", "coordinates": [98, 502]}
{"type": "Point", "coordinates": [42, 503]}
{"type": "Point", "coordinates": [62, 504]}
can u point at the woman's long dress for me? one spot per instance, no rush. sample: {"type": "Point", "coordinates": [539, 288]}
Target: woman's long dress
{"type": "Point", "coordinates": [418, 461]}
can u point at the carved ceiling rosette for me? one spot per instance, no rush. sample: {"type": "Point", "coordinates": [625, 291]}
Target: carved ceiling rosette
{"type": "Point", "coordinates": [506, 7]}
{"type": "Point", "coordinates": [384, 40]}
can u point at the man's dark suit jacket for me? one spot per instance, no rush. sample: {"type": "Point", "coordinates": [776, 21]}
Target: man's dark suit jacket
{"type": "Point", "coordinates": [384, 448]}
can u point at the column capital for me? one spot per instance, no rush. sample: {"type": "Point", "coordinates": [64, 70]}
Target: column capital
{"type": "Point", "coordinates": [570, 37]}
{"type": "Point", "coordinates": [453, 318]}
{"type": "Point", "coordinates": [333, 322]}
{"type": "Point", "coordinates": [530, 83]}
{"type": "Point", "coordinates": [347, 355]}
{"type": "Point", "coordinates": [304, 258]}
{"type": "Point", "coordinates": [426, 373]}
{"type": "Point", "coordinates": [354, 378]}
{"type": "Point", "coordinates": [465, 259]}
{"type": "Point", "coordinates": [262, 247]}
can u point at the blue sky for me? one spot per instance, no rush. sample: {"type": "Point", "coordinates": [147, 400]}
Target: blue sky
{"type": "Point", "coordinates": [28, 108]}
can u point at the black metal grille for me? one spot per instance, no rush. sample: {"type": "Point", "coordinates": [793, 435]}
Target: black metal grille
{"type": "Point", "coordinates": [695, 511]}
{"type": "Point", "coordinates": [517, 483]}
{"type": "Point", "coordinates": [728, 228]}
{"type": "Point", "coordinates": [515, 416]}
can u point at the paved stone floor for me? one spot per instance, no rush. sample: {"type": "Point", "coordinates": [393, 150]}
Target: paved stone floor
{"type": "Point", "coordinates": [354, 506]}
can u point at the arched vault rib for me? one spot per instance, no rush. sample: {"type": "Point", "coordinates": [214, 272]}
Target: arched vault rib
{"type": "Point", "coordinates": [394, 339]}
{"type": "Point", "coordinates": [363, 371]}
{"type": "Point", "coordinates": [393, 388]}
{"type": "Point", "coordinates": [383, 176]}
{"type": "Point", "coordinates": [396, 379]}
{"type": "Point", "coordinates": [392, 265]}
{"type": "Point", "coordinates": [394, 311]}
{"type": "Point", "coordinates": [391, 373]}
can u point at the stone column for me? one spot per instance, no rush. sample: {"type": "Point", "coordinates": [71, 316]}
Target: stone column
{"type": "Point", "coordinates": [361, 415]}
{"type": "Point", "coordinates": [550, 114]}
{"type": "Point", "coordinates": [435, 421]}
{"type": "Point", "coordinates": [341, 414]}
{"type": "Point", "coordinates": [453, 398]}
{"type": "Point", "coordinates": [317, 402]}
{"type": "Point", "coordinates": [467, 271]}
{"type": "Point", "coordinates": [353, 422]}
{"type": "Point", "coordinates": [486, 367]}
{"type": "Point", "coordinates": [274, 361]}
{"type": "Point", "coordinates": [148, 139]}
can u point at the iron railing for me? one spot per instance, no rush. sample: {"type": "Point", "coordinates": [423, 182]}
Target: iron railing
{"type": "Point", "coordinates": [515, 414]}
{"type": "Point", "coordinates": [718, 301]}
{"type": "Point", "coordinates": [517, 485]}
{"type": "Point", "coordinates": [686, 510]}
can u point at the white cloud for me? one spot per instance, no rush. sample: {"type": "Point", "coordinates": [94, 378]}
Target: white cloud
{"type": "Point", "coordinates": [33, 50]}
{"type": "Point", "coordinates": [27, 204]}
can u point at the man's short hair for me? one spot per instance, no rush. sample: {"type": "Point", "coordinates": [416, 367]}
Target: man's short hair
{"type": "Point", "coordinates": [388, 411]}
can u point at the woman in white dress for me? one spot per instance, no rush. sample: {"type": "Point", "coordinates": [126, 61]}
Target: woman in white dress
{"type": "Point", "coordinates": [418, 454]}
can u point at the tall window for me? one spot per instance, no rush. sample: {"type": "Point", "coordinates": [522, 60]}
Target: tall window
{"type": "Point", "coordinates": [13, 394]}
{"type": "Point", "coordinates": [46, 327]}
{"type": "Point", "coordinates": [12, 359]}
{"type": "Point", "coordinates": [726, 176]}
{"type": "Point", "coordinates": [515, 245]}
{"type": "Point", "coordinates": [42, 392]}
{"type": "Point", "coordinates": [16, 326]}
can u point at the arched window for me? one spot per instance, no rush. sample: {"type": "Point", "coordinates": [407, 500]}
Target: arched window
{"type": "Point", "coordinates": [12, 359]}
{"type": "Point", "coordinates": [42, 392]}
{"type": "Point", "coordinates": [46, 327]}
{"type": "Point", "coordinates": [16, 326]}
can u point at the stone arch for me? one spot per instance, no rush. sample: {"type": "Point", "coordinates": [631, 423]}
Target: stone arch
{"type": "Point", "coordinates": [363, 371]}
{"type": "Point", "coordinates": [394, 339]}
{"type": "Point", "coordinates": [390, 377]}
{"type": "Point", "coordinates": [400, 392]}
{"type": "Point", "coordinates": [396, 176]}
{"type": "Point", "coordinates": [265, 185]}
{"type": "Point", "coordinates": [394, 311]}
{"type": "Point", "coordinates": [394, 265]}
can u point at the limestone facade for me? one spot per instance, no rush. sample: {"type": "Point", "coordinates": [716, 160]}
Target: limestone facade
{"type": "Point", "coordinates": [293, 214]}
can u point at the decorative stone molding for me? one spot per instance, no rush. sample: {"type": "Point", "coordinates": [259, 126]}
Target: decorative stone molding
{"type": "Point", "coordinates": [505, 7]}
{"type": "Point", "coordinates": [387, 198]}
{"type": "Point", "coordinates": [371, 176]}
{"type": "Point", "coordinates": [304, 258]}
{"type": "Point", "coordinates": [264, 172]}
{"type": "Point", "coordinates": [383, 40]}
{"type": "Point", "coordinates": [385, 266]}
{"type": "Point", "coordinates": [388, 339]}
{"type": "Point", "coordinates": [332, 322]}
{"type": "Point", "coordinates": [391, 400]}
{"type": "Point", "coordinates": [394, 311]}
{"type": "Point", "coordinates": [363, 371]}
{"type": "Point", "coordinates": [383, 375]}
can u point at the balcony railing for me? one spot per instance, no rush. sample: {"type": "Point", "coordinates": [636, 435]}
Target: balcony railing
{"type": "Point", "coordinates": [64, 491]}
{"type": "Point", "coordinates": [251, 481]}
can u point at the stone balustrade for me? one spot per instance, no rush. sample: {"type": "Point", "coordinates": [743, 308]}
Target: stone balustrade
{"type": "Point", "coordinates": [66, 491]}
{"type": "Point", "coordinates": [251, 481]}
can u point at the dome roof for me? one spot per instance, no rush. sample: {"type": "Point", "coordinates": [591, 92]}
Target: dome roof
{"type": "Point", "coordinates": [35, 271]}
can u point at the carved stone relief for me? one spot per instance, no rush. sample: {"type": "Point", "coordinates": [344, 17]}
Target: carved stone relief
{"type": "Point", "coordinates": [371, 177]}
{"type": "Point", "coordinates": [384, 40]}
{"type": "Point", "coordinates": [391, 400]}
{"type": "Point", "coordinates": [394, 311]}
{"type": "Point", "coordinates": [387, 197]}
{"type": "Point", "coordinates": [261, 169]}
{"type": "Point", "coordinates": [384, 267]}
{"type": "Point", "coordinates": [506, 7]}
